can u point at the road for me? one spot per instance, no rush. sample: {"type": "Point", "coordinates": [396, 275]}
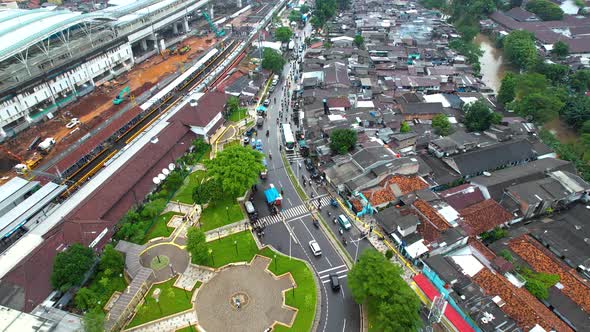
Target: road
{"type": "Point", "coordinates": [292, 230]}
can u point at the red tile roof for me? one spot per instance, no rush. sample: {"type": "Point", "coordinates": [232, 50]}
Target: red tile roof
{"type": "Point", "coordinates": [379, 196]}
{"type": "Point", "coordinates": [483, 216]}
{"type": "Point", "coordinates": [523, 307]}
{"type": "Point", "coordinates": [207, 108]}
{"type": "Point", "coordinates": [541, 261]}
{"type": "Point", "coordinates": [429, 212]}
{"type": "Point", "coordinates": [338, 102]}
{"type": "Point", "coordinates": [462, 196]}
{"type": "Point", "coordinates": [407, 184]}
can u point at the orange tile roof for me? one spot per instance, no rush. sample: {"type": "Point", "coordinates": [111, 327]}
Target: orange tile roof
{"type": "Point", "coordinates": [379, 196]}
{"type": "Point", "coordinates": [430, 213]}
{"type": "Point", "coordinates": [540, 260]}
{"type": "Point", "coordinates": [484, 216]}
{"type": "Point", "coordinates": [523, 307]}
{"type": "Point", "coordinates": [407, 184]}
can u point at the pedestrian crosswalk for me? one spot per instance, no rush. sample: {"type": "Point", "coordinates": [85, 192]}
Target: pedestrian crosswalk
{"type": "Point", "coordinates": [340, 271]}
{"type": "Point", "coordinates": [294, 157]}
{"type": "Point", "coordinates": [291, 213]}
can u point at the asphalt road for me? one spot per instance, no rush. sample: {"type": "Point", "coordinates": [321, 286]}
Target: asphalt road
{"type": "Point", "coordinates": [292, 233]}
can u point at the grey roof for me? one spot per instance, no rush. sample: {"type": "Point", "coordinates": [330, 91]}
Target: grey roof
{"type": "Point", "coordinates": [422, 108]}
{"type": "Point", "coordinates": [368, 157]}
{"type": "Point", "coordinates": [390, 218]}
{"type": "Point", "coordinates": [547, 189]}
{"type": "Point", "coordinates": [13, 191]}
{"type": "Point", "coordinates": [519, 174]}
{"type": "Point", "coordinates": [492, 157]}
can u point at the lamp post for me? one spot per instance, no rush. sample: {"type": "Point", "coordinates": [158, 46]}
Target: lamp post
{"type": "Point", "coordinates": [227, 212]}
{"type": "Point", "coordinates": [293, 289]}
{"type": "Point", "coordinates": [171, 269]}
{"type": "Point", "coordinates": [210, 251]}
{"type": "Point", "coordinates": [236, 244]}
{"type": "Point", "coordinates": [275, 258]}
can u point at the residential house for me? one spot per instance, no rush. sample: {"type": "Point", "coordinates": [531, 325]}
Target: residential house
{"type": "Point", "coordinates": [483, 216]}
{"type": "Point", "coordinates": [422, 111]}
{"type": "Point", "coordinates": [403, 230]}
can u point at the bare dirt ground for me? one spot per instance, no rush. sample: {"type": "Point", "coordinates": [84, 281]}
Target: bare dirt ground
{"type": "Point", "coordinates": [97, 106]}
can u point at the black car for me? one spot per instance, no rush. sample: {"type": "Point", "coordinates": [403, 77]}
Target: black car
{"type": "Point", "coordinates": [314, 174]}
{"type": "Point", "coordinates": [308, 164]}
{"type": "Point", "coordinates": [335, 281]}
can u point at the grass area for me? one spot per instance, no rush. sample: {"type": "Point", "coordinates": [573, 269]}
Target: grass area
{"type": "Point", "coordinates": [294, 180]}
{"type": "Point", "coordinates": [304, 297]}
{"type": "Point", "coordinates": [159, 228]}
{"type": "Point", "coordinates": [371, 317]}
{"type": "Point", "coordinates": [238, 115]}
{"type": "Point", "coordinates": [104, 290]}
{"type": "Point", "coordinates": [224, 249]}
{"type": "Point", "coordinates": [185, 193]}
{"type": "Point", "coordinates": [236, 142]}
{"type": "Point", "coordinates": [221, 213]}
{"type": "Point", "coordinates": [188, 329]}
{"type": "Point", "coordinates": [172, 300]}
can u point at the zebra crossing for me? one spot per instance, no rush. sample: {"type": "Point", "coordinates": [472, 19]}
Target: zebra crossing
{"type": "Point", "coordinates": [340, 271]}
{"type": "Point", "coordinates": [295, 156]}
{"type": "Point", "coordinates": [290, 213]}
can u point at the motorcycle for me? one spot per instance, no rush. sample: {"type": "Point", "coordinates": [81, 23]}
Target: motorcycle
{"type": "Point", "coordinates": [267, 133]}
{"type": "Point", "coordinates": [344, 241]}
{"type": "Point", "coordinates": [316, 223]}
{"type": "Point", "coordinates": [335, 221]}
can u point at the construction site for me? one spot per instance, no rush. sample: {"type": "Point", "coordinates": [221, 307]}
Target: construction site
{"type": "Point", "coordinates": [85, 136]}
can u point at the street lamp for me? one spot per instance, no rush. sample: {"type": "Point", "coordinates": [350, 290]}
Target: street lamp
{"type": "Point", "coordinates": [171, 269]}
{"type": "Point", "coordinates": [227, 212]}
{"type": "Point", "coordinates": [210, 251]}
{"type": "Point", "coordinates": [293, 289]}
{"type": "Point", "coordinates": [236, 244]}
{"type": "Point", "coordinates": [275, 257]}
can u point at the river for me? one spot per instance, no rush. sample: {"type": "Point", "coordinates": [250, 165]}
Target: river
{"type": "Point", "coordinates": [492, 64]}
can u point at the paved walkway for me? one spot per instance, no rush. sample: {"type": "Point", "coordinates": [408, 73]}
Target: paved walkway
{"type": "Point", "coordinates": [178, 207]}
{"type": "Point", "coordinates": [192, 274]}
{"type": "Point", "coordinates": [227, 230]}
{"type": "Point", "coordinates": [260, 293]}
{"type": "Point", "coordinates": [169, 323]}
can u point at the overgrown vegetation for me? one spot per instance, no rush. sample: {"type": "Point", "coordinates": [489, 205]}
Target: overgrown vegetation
{"type": "Point", "coordinates": [70, 266]}
{"type": "Point", "coordinates": [545, 10]}
{"type": "Point", "coordinates": [505, 253]}
{"type": "Point", "coordinates": [494, 235]}
{"type": "Point", "coordinates": [442, 125]}
{"type": "Point", "coordinates": [538, 283]}
{"type": "Point", "coordinates": [342, 140]}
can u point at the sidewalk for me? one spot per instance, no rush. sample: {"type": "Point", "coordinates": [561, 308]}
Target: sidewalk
{"type": "Point", "coordinates": [170, 323]}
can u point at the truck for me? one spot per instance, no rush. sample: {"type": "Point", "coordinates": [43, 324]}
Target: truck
{"type": "Point", "coordinates": [46, 145]}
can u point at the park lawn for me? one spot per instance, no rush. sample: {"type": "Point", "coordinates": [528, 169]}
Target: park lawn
{"type": "Point", "coordinates": [224, 249]}
{"type": "Point", "coordinates": [103, 294]}
{"type": "Point", "coordinates": [169, 304]}
{"type": "Point", "coordinates": [305, 298]}
{"type": "Point", "coordinates": [185, 193]}
{"type": "Point", "coordinates": [216, 214]}
{"type": "Point", "coordinates": [160, 228]}
{"type": "Point", "coordinates": [371, 316]}
{"type": "Point", "coordinates": [238, 115]}
{"type": "Point", "coordinates": [188, 329]}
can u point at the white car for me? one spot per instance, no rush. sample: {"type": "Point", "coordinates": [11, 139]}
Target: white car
{"type": "Point", "coordinates": [73, 122]}
{"type": "Point", "coordinates": [315, 248]}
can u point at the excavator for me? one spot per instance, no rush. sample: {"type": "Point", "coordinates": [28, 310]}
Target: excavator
{"type": "Point", "coordinates": [24, 166]}
{"type": "Point", "coordinates": [218, 32]}
{"type": "Point", "coordinates": [122, 95]}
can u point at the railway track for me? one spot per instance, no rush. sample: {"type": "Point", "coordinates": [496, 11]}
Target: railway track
{"type": "Point", "coordinates": [136, 127]}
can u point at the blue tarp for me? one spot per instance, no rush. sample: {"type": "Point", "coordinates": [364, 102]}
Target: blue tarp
{"type": "Point", "coordinates": [271, 195]}
{"type": "Point", "coordinates": [261, 108]}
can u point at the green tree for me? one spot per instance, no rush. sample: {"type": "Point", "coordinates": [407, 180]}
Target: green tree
{"type": "Point", "coordinates": [283, 34]}
{"type": "Point", "coordinates": [580, 80]}
{"type": "Point", "coordinates": [196, 245]}
{"type": "Point", "coordinates": [507, 89]}
{"type": "Point", "coordinates": [441, 125]}
{"type": "Point", "coordinates": [294, 16]}
{"type": "Point", "coordinates": [233, 104]}
{"type": "Point", "coordinates": [530, 83]}
{"type": "Point", "coordinates": [433, 4]}
{"type": "Point", "coordinates": [545, 9]}
{"type": "Point", "coordinates": [342, 140]}
{"type": "Point", "coordinates": [359, 41]}
{"type": "Point", "coordinates": [236, 169]}
{"type": "Point", "coordinates": [70, 266]}
{"type": "Point", "coordinates": [93, 321]}
{"type": "Point", "coordinates": [555, 72]}
{"type": "Point", "coordinates": [519, 47]}
{"type": "Point", "coordinates": [152, 209]}
{"type": "Point", "coordinates": [560, 49]}
{"type": "Point", "coordinates": [272, 60]}
{"type": "Point", "coordinates": [479, 117]}
{"type": "Point", "coordinates": [173, 181]}
{"type": "Point", "coordinates": [304, 9]}
{"type": "Point", "coordinates": [541, 107]}
{"type": "Point", "coordinates": [576, 111]}
{"type": "Point", "coordinates": [111, 260]}
{"type": "Point", "coordinates": [375, 281]}
{"type": "Point", "coordinates": [404, 127]}
{"type": "Point", "coordinates": [585, 129]}
{"type": "Point", "coordinates": [85, 299]}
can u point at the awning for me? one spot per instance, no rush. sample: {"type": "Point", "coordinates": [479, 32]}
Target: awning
{"type": "Point", "coordinates": [261, 108]}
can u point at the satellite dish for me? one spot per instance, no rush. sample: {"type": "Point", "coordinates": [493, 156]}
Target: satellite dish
{"type": "Point", "coordinates": [156, 180]}
{"type": "Point", "coordinates": [161, 177]}
{"type": "Point", "coordinates": [171, 166]}
{"type": "Point", "coordinates": [165, 171]}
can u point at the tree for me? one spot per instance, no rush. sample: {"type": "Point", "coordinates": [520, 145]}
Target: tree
{"type": "Point", "coordinates": [555, 72]}
{"type": "Point", "coordinates": [359, 41]}
{"type": "Point", "coordinates": [206, 191]}
{"type": "Point", "coordinates": [541, 107]}
{"type": "Point", "coordinates": [85, 299]}
{"type": "Point", "coordinates": [342, 140]}
{"type": "Point", "coordinates": [441, 125]}
{"type": "Point", "coordinates": [545, 10]}
{"type": "Point", "coordinates": [196, 245]}
{"type": "Point", "coordinates": [530, 83]}
{"type": "Point", "coordinates": [404, 127]}
{"type": "Point", "coordinates": [70, 266]}
{"type": "Point", "coordinates": [375, 281]}
{"type": "Point", "coordinates": [507, 89]}
{"type": "Point", "coordinates": [236, 169]}
{"type": "Point", "coordinates": [152, 209]}
{"type": "Point", "coordinates": [560, 49]}
{"type": "Point", "coordinates": [479, 117]}
{"type": "Point", "coordinates": [576, 111]}
{"type": "Point", "coordinates": [519, 47]}
{"type": "Point", "coordinates": [272, 60]}
{"type": "Point", "coordinates": [93, 321]}
{"type": "Point", "coordinates": [283, 34]}
{"type": "Point", "coordinates": [304, 9]}
{"type": "Point", "coordinates": [580, 80]}
{"type": "Point", "coordinates": [433, 4]}
{"type": "Point", "coordinates": [295, 16]}
{"type": "Point", "coordinates": [112, 260]}
{"type": "Point", "coordinates": [233, 104]}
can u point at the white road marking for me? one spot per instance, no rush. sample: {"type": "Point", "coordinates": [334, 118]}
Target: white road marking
{"type": "Point", "coordinates": [344, 326]}
{"type": "Point", "coordinates": [330, 269]}
{"type": "Point", "coordinates": [343, 272]}
{"type": "Point", "coordinates": [327, 260]}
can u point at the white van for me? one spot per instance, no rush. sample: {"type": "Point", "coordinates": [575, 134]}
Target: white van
{"type": "Point", "coordinates": [315, 248]}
